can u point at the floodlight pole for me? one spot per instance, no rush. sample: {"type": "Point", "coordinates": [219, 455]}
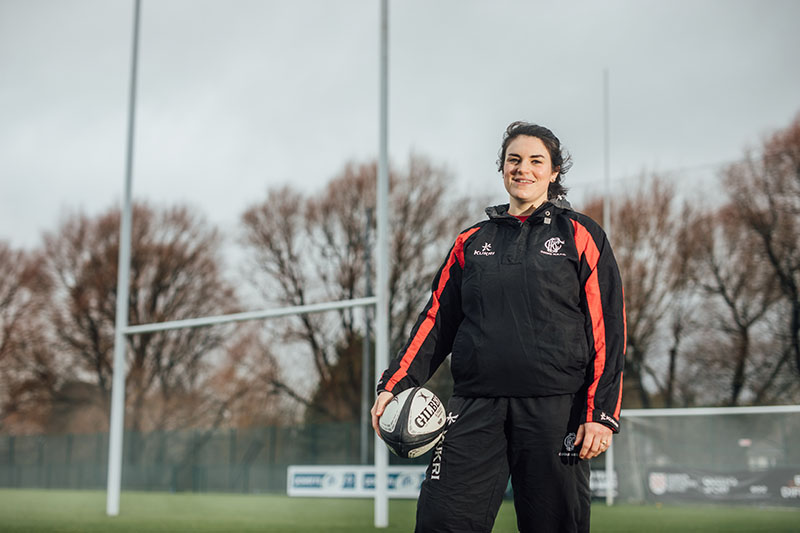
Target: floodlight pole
{"type": "Point", "coordinates": [607, 229]}
{"type": "Point", "coordinates": [382, 266]}
{"type": "Point", "coordinates": [606, 157]}
{"type": "Point", "coordinates": [116, 425]}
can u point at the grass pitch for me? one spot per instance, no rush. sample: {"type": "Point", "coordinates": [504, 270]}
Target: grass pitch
{"type": "Point", "coordinates": [84, 511]}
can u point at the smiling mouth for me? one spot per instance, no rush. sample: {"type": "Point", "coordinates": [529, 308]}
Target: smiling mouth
{"type": "Point", "coordinates": [522, 180]}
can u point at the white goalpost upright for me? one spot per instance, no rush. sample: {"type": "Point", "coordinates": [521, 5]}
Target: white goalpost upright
{"type": "Point", "coordinates": [382, 264]}
{"type": "Point", "coordinates": [380, 300]}
{"type": "Point", "coordinates": [116, 426]}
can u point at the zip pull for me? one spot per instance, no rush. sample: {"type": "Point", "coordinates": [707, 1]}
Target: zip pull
{"type": "Point", "coordinates": [547, 217]}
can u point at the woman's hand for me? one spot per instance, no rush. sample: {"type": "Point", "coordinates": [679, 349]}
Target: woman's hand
{"type": "Point", "coordinates": [378, 407]}
{"type": "Point", "coordinates": [596, 439]}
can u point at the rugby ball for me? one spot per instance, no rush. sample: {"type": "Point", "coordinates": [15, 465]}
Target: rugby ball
{"type": "Point", "coordinates": [412, 422]}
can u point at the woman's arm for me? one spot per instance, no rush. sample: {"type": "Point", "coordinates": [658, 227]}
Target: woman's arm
{"type": "Point", "coordinates": [606, 328]}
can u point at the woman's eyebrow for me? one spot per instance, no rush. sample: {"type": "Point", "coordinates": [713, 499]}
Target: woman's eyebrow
{"type": "Point", "coordinates": [517, 155]}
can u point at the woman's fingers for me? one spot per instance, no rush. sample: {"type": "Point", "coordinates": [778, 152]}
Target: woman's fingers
{"type": "Point", "coordinates": [596, 439]}
{"type": "Point", "coordinates": [378, 407]}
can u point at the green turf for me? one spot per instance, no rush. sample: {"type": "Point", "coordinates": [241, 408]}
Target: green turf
{"type": "Point", "coordinates": [84, 511]}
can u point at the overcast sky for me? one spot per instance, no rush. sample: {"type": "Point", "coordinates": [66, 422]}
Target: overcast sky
{"type": "Point", "coordinates": [238, 96]}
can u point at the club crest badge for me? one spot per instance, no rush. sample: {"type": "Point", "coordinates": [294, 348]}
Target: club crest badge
{"type": "Point", "coordinates": [553, 246]}
{"type": "Point", "coordinates": [569, 442]}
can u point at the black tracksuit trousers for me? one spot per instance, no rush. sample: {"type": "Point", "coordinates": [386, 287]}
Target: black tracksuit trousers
{"type": "Point", "coordinates": [488, 439]}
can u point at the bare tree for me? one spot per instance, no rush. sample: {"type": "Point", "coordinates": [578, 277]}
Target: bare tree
{"type": "Point", "coordinates": [765, 191]}
{"type": "Point", "coordinates": [713, 295]}
{"type": "Point", "coordinates": [245, 379]}
{"type": "Point", "coordinates": [28, 376]}
{"type": "Point", "coordinates": [682, 320]}
{"type": "Point", "coordinates": [175, 274]}
{"type": "Point", "coordinates": [21, 280]}
{"type": "Point", "coordinates": [741, 293]}
{"type": "Point", "coordinates": [307, 248]}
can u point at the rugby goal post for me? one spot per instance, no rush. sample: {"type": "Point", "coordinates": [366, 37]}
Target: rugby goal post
{"type": "Point", "coordinates": [380, 300]}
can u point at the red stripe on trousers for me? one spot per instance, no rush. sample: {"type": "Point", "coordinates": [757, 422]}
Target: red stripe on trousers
{"type": "Point", "coordinates": [456, 254]}
{"type": "Point", "coordinates": [586, 246]}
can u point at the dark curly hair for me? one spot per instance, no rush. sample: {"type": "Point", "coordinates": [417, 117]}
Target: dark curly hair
{"type": "Point", "coordinates": [559, 157]}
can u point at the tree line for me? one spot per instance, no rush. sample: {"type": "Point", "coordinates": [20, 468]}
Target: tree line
{"type": "Point", "coordinates": [711, 285]}
{"type": "Point", "coordinates": [712, 293]}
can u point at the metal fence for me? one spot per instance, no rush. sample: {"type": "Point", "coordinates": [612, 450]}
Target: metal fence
{"type": "Point", "coordinates": [740, 454]}
{"type": "Point", "coordinates": [252, 460]}
{"type": "Point", "coordinates": [659, 456]}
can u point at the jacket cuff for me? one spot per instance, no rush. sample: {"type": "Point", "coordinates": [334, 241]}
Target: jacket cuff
{"type": "Point", "coordinates": [604, 418]}
{"type": "Point", "coordinates": [381, 384]}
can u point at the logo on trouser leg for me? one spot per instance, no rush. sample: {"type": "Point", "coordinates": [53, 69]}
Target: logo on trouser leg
{"type": "Point", "coordinates": [568, 450]}
{"type": "Point", "coordinates": [436, 461]}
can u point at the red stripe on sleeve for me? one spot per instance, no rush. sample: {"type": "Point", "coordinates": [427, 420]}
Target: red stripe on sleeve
{"type": "Point", "coordinates": [619, 399]}
{"type": "Point", "coordinates": [588, 248]}
{"type": "Point", "coordinates": [456, 254]}
{"type": "Point", "coordinates": [624, 325]}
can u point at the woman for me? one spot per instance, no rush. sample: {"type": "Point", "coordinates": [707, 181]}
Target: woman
{"type": "Point", "coordinates": [529, 302]}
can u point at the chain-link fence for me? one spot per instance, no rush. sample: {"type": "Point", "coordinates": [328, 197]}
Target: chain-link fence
{"type": "Point", "coordinates": [707, 455]}
{"type": "Point", "coordinates": [249, 460]}
{"type": "Point", "coordinates": [744, 457]}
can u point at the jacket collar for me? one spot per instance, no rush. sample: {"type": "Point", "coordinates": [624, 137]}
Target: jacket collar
{"type": "Point", "coordinates": [501, 211]}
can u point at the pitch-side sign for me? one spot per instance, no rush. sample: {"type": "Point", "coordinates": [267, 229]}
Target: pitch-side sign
{"type": "Point", "coordinates": [323, 481]}
{"type": "Point", "coordinates": [346, 481]}
{"type": "Point", "coordinates": [776, 485]}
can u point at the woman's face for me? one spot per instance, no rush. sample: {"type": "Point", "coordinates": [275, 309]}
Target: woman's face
{"type": "Point", "coordinates": [527, 172]}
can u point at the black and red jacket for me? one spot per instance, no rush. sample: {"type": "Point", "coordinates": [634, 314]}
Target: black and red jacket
{"type": "Point", "coordinates": [530, 308]}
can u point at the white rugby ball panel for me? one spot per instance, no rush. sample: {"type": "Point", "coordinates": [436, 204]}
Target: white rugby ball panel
{"type": "Point", "coordinates": [416, 452]}
{"type": "Point", "coordinates": [391, 413]}
{"type": "Point", "coordinates": [426, 415]}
